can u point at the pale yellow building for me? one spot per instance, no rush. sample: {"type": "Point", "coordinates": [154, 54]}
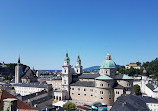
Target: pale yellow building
{"type": "Point", "coordinates": [134, 65]}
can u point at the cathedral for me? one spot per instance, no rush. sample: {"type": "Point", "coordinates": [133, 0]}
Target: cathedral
{"type": "Point", "coordinates": [24, 75]}
{"type": "Point", "coordinates": [105, 86]}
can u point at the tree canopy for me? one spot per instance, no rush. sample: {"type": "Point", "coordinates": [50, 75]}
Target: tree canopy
{"type": "Point", "coordinates": [151, 68]}
{"type": "Point", "coordinates": [136, 89]}
{"type": "Point", "coordinates": [70, 106]}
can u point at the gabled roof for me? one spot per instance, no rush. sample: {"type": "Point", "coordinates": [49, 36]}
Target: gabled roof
{"type": "Point", "coordinates": [147, 99]}
{"type": "Point", "coordinates": [104, 77]}
{"type": "Point", "coordinates": [83, 83]}
{"type": "Point", "coordinates": [88, 76]}
{"type": "Point", "coordinates": [156, 90]}
{"type": "Point", "coordinates": [129, 103]}
{"type": "Point", "coordinates": [126, 77]}
{"type": "Point", "coordinates": [119, 87]}
{"type": "Point", "coordinates": [29, 74]}
{"type": "Point", "coordinates": [150, 86]}
{"type": "Point", "coordinates": [20, 104]}
{"type": "Point", "coordinates": [121, 76]}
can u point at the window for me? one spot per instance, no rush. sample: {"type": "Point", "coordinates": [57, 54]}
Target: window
{"type": "Point", "coordinates": [109, 98]}
{"type": "Point", "coordinates": [101, 98]}
{"type": "Point", "coordinates": [108, 85]}
{"type": "Point", "coordinates": [72, 93]}
{"type": "Point", "coordinates": [106, 72]}
{"type": "Point", "coordinates": [72, 88]}
{"type": "Point", "coordinates": [91, 90]}
{"type": "Point", "coordinates": [77, 70]}
{"type": "Point", "coordinates": [78, 89]}
{"type": "Point", "coordinates": [78, 94]}
{"type": "Point", "coordinates": [84, 89]}
{"type": "Point", "coordinates": [65, 71]}
{"type": "Point", "coordinates": [101, 92]}
{"type": "Point", "coordinates": [84, 94]}
{"type": "Point", "coordinates": [101, 85]}
{"type": "Point", "coordinates": [91, 95]}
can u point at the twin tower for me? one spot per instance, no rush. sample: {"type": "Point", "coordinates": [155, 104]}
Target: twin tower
{"type": "Point", "coordinates": [68, 69]}
{"type": "Point", "coordinates": [67, 72]}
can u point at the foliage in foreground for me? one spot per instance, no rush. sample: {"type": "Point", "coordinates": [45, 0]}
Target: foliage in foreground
{"type": "Point", "coordinates": [136, 89]}
{"type": "Point", "coordinates": [70, 106]}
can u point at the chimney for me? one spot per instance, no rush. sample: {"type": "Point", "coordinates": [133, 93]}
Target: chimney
{"type": "Point", "coordinates": [10, 104]}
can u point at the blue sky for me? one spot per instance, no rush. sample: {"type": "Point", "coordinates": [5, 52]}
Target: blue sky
{"type": "Point", "coordinates": [42, 31]}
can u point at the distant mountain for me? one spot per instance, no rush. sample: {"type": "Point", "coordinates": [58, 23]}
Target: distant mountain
{"type": "Point", "coordinates": [95, 68]}
{"type": "Point", "coordinates": [92, 68]}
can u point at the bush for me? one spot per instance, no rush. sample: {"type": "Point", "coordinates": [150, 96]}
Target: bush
{"type": "Point", "coordinates": [70, 106]}
{"type": "Point", "coordinates": [137, 90]}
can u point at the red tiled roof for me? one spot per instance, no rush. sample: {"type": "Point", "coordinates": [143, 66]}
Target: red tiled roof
{"type": "Point", "coordinates": [20, 104]}
{"type": "Point", "coordinates": [132, 63]}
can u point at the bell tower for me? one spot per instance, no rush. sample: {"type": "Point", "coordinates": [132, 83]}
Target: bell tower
{"type": "Point", "coordinates": [66, 76]}
{"type": "Point", "coordinates": [18, 71]}
{"type": "Point", "coordinates": [78, 67]}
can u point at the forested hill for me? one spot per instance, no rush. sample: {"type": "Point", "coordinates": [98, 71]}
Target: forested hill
{"type": "Point", "coordinates": [151, 67]}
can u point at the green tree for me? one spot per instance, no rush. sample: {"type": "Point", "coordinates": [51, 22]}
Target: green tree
{"type": "Point", "coordinates": [70, 106]}
{"type": "Point", "coordinates": [138, 63]}
{"type": "Point", "coordinates": [137, 89]}
{"type": "Point", "coordinates": [122, 69]}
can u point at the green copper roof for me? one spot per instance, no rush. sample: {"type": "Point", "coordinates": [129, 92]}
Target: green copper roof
{"type": "Point", "coordinates": [108, 64]}
{"type": "Point", "coordinates": [144, 71]}
{"type": "Point", "coordinates": [104, 77]}
{"type": "Point", "coordinates": [108, 54]}
{"type": "Point", "coordinates": [126, 77]}
{"type": "Point", "coordinates": [78, 59]}
{"type": "Point", "coordinates": [67, 57]}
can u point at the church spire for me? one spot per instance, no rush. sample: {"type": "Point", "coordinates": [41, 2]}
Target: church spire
{"type": "Point", "coordinates": [19, 60]}
{"type": "Point", "coordinates": [67, 57]}
{"type": "Point", "coordinates": [78, 59]}
{"type": "Point", "coordinates": [66, 54]}
{"type": "Point", "coordinates": [108, 56]}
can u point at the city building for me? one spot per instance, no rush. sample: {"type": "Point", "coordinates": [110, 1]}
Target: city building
{"type": "Point", "coordinates": [105, 86]}
{"type": "Point", "coordinates": [20, 105]}
{"type": "Point", "coordinates": [134, 65]}
{"type": "Point", "coordinates": [38, 100]}
{"type": "Point", "coordinates": [135, 103]}
{"type": "Point", "coordinates": [148, 86]}
{"type": "Point", "coordinates": [26, 89]}
{"type": "Point", "coordinates": [26, 76]}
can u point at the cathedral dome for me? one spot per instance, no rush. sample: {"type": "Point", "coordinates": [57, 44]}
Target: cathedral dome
{"type": "Point", "coordinates": [108, 63]}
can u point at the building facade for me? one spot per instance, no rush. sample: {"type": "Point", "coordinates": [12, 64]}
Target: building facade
{"type": "Point", "coordinates": [105, 86]}
{"type": "Point", "coordinates": [134, 65]}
